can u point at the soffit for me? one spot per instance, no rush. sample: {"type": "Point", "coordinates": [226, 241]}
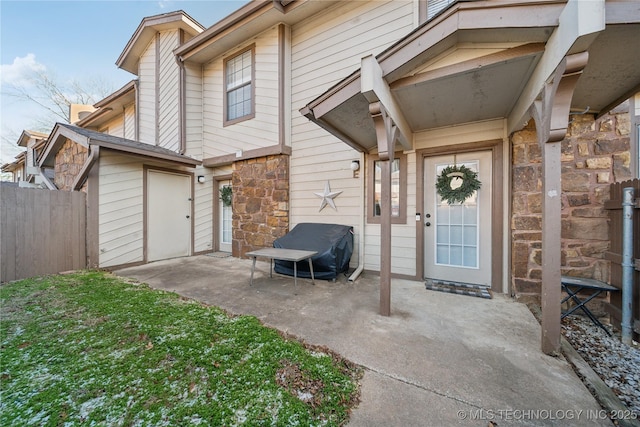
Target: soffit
{"type": "Point", "coordinates": [482, 87]}
{"type": "Point", "coordinates": [243, 25]}
{"type": "Point", "coordinates": [612, 74]}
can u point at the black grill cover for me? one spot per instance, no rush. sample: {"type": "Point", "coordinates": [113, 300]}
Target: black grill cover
{"type": "Point", "coordinates": [333, 242]}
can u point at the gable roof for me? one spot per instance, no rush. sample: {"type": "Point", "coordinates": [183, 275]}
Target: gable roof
{"type": "Point", "coordinates": [85, 137]}
{"type": "Point", "coordinates": [253, 18]}
{"type": "Point", "coordinates": [427, 91]}
{"type": "Point", "coordinates": [28, 135]}
{"type": "Point", "coordinates": [147, 29]}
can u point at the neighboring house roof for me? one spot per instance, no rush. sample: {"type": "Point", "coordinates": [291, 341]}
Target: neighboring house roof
{"type": "Point", "coordinates": [111, 106]}
{"type": "Point", "coordinates": [146, 31]}
{"type": "Point", "coordinates": [425, 89]}
{"type": "Point", "coordinates": [18, 163]}
{"type": "Point", "coordinates": [88, 138]}
{"type": "Point", "coordinates": [27, 135]}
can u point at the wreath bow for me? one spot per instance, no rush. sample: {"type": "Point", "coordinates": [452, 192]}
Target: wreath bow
{"type": "Point", "coordinates": [457, 183]}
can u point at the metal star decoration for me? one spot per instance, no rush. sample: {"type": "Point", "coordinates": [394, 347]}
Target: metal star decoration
{"type": "Point", "coordinates": [327, 197]}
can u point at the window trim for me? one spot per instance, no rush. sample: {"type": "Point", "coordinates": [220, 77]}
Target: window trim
{"type": "Point", "coordinates": [226, 120]}
{"type": "Point", "coordinates": [402, 217]}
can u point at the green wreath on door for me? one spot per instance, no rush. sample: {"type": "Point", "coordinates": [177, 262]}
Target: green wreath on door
{"type": "Point", "coordinates": [457, 183]}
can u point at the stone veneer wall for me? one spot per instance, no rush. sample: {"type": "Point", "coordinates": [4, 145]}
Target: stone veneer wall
{"type": "Point", "coordinates": [69, 161]}
{"type": "Point", "coordinates": [260, 202]}
{"type": "Point", "coordinates": [595, 153]}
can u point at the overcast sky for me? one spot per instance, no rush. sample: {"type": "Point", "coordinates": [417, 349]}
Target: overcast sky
{"type": "Point", "coordinates": [75, 40]}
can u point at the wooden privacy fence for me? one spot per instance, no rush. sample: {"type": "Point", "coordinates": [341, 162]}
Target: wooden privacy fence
{"type": "Point", "coordinates": [41, 232]}
{"type": "Point", "coordinates": [614, 205]}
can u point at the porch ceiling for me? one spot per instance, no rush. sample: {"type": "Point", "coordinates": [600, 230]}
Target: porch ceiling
{"type": "Point", "coordinates": [481, 88]}
{"type": "Point", "coordinates": [612, 74]}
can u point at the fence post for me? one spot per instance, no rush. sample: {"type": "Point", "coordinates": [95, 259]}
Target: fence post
{"type": "Point", "coordinates": [627, 265]}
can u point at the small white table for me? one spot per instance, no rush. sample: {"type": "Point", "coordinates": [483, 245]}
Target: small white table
{"type": "Point", "coordinates": [294, 255]}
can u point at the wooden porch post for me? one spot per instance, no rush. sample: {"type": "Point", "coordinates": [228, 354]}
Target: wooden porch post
{"type": "Point", "coordinates": [551, 114]}
{"type": "Point", "coordinates": [391, 127]}
{"type": "Point", "coordinates": [387, 134]}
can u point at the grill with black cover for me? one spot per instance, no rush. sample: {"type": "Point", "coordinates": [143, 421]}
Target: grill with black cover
{"type": "Point", "coordinates": [333, 242]}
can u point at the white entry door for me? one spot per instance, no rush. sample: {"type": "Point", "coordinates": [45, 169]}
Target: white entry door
{"type": "Point", "coordinates": [224, 222]}
{"type": "Point", "coordinates": [458, 235]}
{"type": "Point", "coordinates": [168, 215]}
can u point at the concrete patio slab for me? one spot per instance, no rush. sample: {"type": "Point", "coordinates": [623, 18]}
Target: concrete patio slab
{"type": "Point", "coordinates": [438, 360]}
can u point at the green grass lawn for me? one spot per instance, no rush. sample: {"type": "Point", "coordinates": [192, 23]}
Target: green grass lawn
{"type": "Point", "coordinates": [90, 349]}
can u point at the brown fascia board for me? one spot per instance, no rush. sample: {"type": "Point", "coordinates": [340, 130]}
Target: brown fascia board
{"type": "Point", "coordinates": [252, 19]}
{"type": "Point", "coordinates": [227, 159]}
{"type": "Point", "coordinates": [124, 90]}
{"type": "Point", "coordinates": [224, 24]}
{"type": "Point", "coordinates": [128, 59]}
{"type": "Point", "coordinates": [141, 151]}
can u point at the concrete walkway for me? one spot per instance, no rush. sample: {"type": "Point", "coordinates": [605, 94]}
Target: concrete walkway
{"type": "Point", "coordinates": [438, 360]}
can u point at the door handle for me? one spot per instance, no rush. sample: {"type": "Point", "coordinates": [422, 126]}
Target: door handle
{"type": "Point", "coordinates": [427, 223]}
{"type": "Point", "coordinates": [188, 217]}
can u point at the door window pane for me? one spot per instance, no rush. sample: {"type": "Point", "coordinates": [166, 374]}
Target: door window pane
{"type": "Point", "coordinates": [457, 234]}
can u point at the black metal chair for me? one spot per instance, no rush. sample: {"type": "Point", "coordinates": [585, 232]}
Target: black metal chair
{"type": "Point", "coordinates": [573, 286]}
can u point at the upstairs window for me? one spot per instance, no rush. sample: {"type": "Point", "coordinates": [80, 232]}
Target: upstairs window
{"type": "Point", "coordinates": [239, 87]}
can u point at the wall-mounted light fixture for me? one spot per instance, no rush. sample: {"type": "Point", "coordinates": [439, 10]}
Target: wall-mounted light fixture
{"type": "Point", "coordinates": [355, 167]}
{"type": "Point", "coordinates": [201, 179]}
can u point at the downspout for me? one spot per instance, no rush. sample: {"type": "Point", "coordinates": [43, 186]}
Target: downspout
{"type": "Point", "coordinates": [88, 164]}
{"type": "Point", "coordinates": [627, 265]}
{"type": "Point", "coordinates": [363, 214]}
{"type": "Point", "coordinates": [182, 101]}
{"type": "Point", "coordinates": [137, 111]}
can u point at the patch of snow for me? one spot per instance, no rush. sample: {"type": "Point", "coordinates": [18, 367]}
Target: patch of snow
{"type": "Point", "coordinates": [90, 405]}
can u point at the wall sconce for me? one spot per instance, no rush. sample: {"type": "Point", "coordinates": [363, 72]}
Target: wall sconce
{"type": "Point", "coordinates": [201, 179]}
{"type": "Point", "coordinates": [355, 167]}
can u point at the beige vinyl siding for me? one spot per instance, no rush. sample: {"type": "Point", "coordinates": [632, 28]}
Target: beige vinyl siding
{"type": "Point", "coordinates": [120, 227]}
{"type": "Point", "coordinates": [203, 211]}
{"type": "Point", "coordinates": [262, 130]}
{"type": "Point", "coordinates": [168, 92]}
{"type": "Point", "coordinates": [325, 49]}
{"type": "Point", "coordinates": [114, 127]}
{"type": "Point", "coordinates": [403, 243]}
{"type": "Point", "coordinates": [193, 114]}
{"type": "Point", "coordinates": [28, 161]}
{"type": "Point", "coordinates": [130, 122]}
{"type": "Point", "coordinates": [147, 95]}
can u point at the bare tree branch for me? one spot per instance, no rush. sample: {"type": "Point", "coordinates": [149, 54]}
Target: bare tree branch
{"type": "Point", "coordinates": [53, 97]}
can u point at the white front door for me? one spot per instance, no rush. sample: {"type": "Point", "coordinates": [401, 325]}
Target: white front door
{"type": "Point", "coordinates": [168, 215]}
{"type": "Point", "coordinates": [458, 235]}
{"type": "Point", "coordinates": [224, 221]}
